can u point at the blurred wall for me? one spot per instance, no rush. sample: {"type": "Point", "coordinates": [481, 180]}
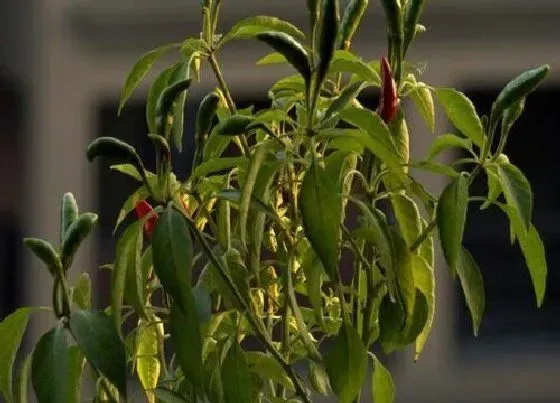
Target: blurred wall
{"type": "Point", "coordinates": [70, 55]}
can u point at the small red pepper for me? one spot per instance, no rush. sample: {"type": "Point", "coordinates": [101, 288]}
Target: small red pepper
{"type": "Point", "coordinates": [142, 209]}
{"type": "Point", "coordinates": [389, 98]}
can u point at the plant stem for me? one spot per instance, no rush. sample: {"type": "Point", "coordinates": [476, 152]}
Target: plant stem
{"type": "Point", "coordinates": [423, 236]}
{"type": "Point", "coordinates": [227, 94]}
{"type": "Point", "coordinates": [258, 327]}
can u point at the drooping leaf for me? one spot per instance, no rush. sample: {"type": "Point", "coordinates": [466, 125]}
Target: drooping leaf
{"type": "Point", "coordinates": [291, 49]}
{"type": "Point", "coordinates": [266, 366]}
{"type": "Point", "coordinates": [319, 378]}
{"type": "Point", "coordinates": [313, 269]}
{"type": "Point", "coordinates": [173, 255]}
{"type": "Point", "coordinates": [252, 26]}
{"type": "Point", "coordinates": [178, 114]}
{"type": "Point", "coordinates": [517, 191]}
{"type": "Point", "coordinates": [218, 165]}
{"type": "Point", "coordinates": [461, 112]}
{"type": "Point", "coordinates": [12, 329]}
{"type": "Point", "coordinates": [99, 340]}
{"type": "Point", "coordinates": [346, 363]}
{"type": "Point", "coordinates": [128, 170]}
{"type": "Point", "coordinates": [446, 141]}
{"type": "Point", "coordinates": [49, 368]}
{"type": "Point", "coordinates": [187, 340]}
{"type": "Point", "coordinates": [138, 195]}
{"type": "Point", "coordinates": [473, 286]}
{"type": "Point", "coordinates": [127, 281]}
{"type": "Point", "coordinates": [382, 384]}
{"type": "Point", "coordinates": [140, 69]}
{"type": "Point", "coordinates": [236, 376]}
{"type": "Point", "coordinates": [23, 380]}
{"type": "Point", "coordinates": [424, 280]}
{"type": "Point", "coordinates": [321, 208]}
{"type": "Point", "coordinates": [533, 250]}
{"type": "Point", "coordinates": [403, 273]}
{"type": "Point", "coordinates": [451, 216]}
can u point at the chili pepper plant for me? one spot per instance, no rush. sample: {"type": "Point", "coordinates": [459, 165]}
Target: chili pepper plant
{"type": "Point", "coordinates": [226, 281]}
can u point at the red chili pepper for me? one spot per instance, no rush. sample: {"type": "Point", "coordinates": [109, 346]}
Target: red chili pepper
{"type": "Point", "coordinates": [142, 209]}
{"type": "Point", "coordinates": [389, 98]}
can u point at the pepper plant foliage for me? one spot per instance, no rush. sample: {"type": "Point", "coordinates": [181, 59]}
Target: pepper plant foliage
{"type": "Point", "coordinates": [249, 245]}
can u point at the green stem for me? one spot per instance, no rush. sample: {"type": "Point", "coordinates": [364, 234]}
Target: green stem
{"type": "Point", "coordinates": [258, 326]}
{"type": "Point", "coordinates": [227, 94]}
{"type": "Point", "coordinates": [423, 236]}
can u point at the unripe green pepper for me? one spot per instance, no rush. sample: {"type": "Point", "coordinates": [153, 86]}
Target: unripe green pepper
{"type": "Point", "coordinates": [413, 12]}
{"type": "Point", "coordinates": [327, 38]}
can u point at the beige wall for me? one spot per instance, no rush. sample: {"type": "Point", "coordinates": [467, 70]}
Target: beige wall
{"type": "Point", "coordinates": [76, 62]}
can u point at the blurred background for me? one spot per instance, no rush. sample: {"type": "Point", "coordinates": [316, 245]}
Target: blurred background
{"type": "Point", "coordinates": [62, 64]}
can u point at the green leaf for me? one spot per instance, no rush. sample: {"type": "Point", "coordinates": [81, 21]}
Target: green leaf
{"type": "Point", "coordinates": [292, 50]}
{"type": "Point", "coordinates": [252, 26]}
{"type": "Point", "coordinates": [473, 286]}
{"type": "Point", "coordinates": [147, 362]}
{"type": "Point", "coordinates": [68, 213]}
{"type": "Point", "coordinates": [129, 170]}
{"type": "Point", "coordinates": [76, 362]}
{"type": "Point", "coordinates": [533, 250]}
{"type": "Point", "coordinates": [346, 363]}
{"type": "Point", "coordinates": [319, 378]}
{"type": "Point", "coordinates": [180, 74]}
{"type": "Point", "coordinates": [255, 163]}
{"type": "Point", "coordinates": [423, 100]}
{"type": "Point", "coordinates": [377, 232]}
{"type": "Point", "coordinates": [12, 329]}
{"type": "Point", "coordinates": [327, 39]}
{"type": "Point", "coordinates": [377, 139]}
{"type": "Point", "coordinates": [382, 384]}
{"type": "Point", "coordinates": [234, 196]}
{"type": "Point", "coordinates": [424, 280]}
{"type": "Point", "coordinates": [404, 273]}
{"type": "Point", "coordinates": [138, 195]}
{"type": "Point", "coordinates": [140, 69]}
{"type": "Point", "coordinates": [451, 216]}
{"type": "Point", "coordinates": [236, 376]}
{"type": "Point", "coordinates": [461, 112]}
{"type": "Point", "coordinates": [49, 368]}
{"type": "Point", "coordinates": [344, 99]}
{"type": "Point", "coordinates": [217, 166]}
{"type": "Point", "coordinates": [321, 208]}
{"type": "Point", "coordinates": [186, 339]}
{"type": "Point", "coordinates": [169, 396]}
{"type": "Point", "coordinates": [517, 89]}
{"type": "Point", "coordinates": [23, 380]}
{"type": "Point", "coordinates": [347, 62]}
{"type": "Point", "coordinates": [203, 304]}
{"type": "Point", "coordinates": [99, 340]}
{"type": "Point", "coordinates": [517, 191]}
{"type": "Point", "coordinates": [81, 293]}
{"type": "Point", "coordinates": [156, 89]}
{"type": "Point", "coordinates": [127, 282]}
{"type": "Point", "coordinates": [77, 232]}
{"type": "Point", "coordinates": [313, 269]}
{"type": "Point", "coordinates": [272, 58]}
{"type": "Point", "coordinates": [434, 167]}
{"type": "Point", "coordinates": [511, 114]}
{"type": "Point", "coordinates": [446, 141]}
{"type": "Point", "coordinates": [266, 366]}
{"type": "Point", "coordinates": [233, 125]}
{"type": "Point", "coordinates": [408, 217]}
{"type": "Point", "coordinates": [173, 255]}
{"type": "Point", "coordinates": [494, 186]}
{"type": "Point", "coordinates": [44, 251]}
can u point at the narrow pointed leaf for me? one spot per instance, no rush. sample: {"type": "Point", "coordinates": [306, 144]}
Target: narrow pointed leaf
{"type": "Point", "coordinates": [517, 191]}
{"type": "Point", "coordinates": [291, 49]}
{"type": "Point", "coordinates": [424, 102]}
{"type": "Point", "coordinates": [252, 26]}
{"type": "Point", "coordinates": [140, 69]}
{"type": "Point", "coordinates": [473, 286]}
{"type": "Point", "coordinates": [424, 280]}
{"type": "Point", "coordinates": [408, 217]}
{"type": "Point", "coordinates": [451, 216]}
{"type": "Point", "coordinates": [68, 213]}
{"type": "Point", "coordinates": [81, 293]}
{"type": "Point", "coordinates": [446, 141]}
{"type": "Point", "coordinates": [158, 86]}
